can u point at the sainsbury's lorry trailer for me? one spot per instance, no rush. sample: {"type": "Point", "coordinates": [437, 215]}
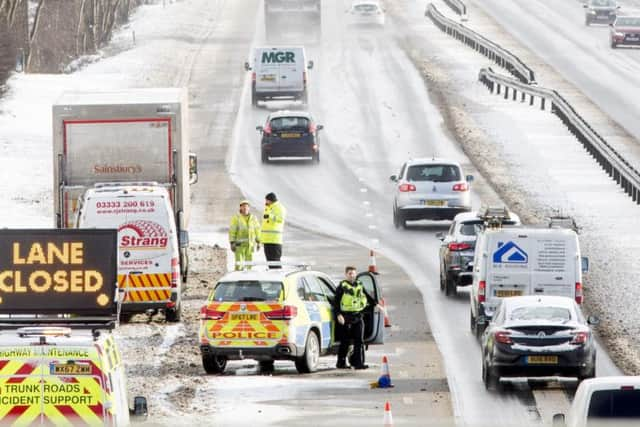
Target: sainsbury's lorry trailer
{"type": "Point", "coordinates": [133, 135]}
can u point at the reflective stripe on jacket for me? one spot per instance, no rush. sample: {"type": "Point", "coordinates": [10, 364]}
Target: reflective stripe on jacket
{"type": "Point", "coordinates": [273, 223]}
{"type": "Point", "coordinates": [353, 298]}
{"type": "Point", "coordinates": [244, 229]}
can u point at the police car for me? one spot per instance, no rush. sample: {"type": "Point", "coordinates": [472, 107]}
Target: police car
{"type": "Point", "coordinates": [59, 362]}
{"type": "Point", "coordinates": [278, 314]}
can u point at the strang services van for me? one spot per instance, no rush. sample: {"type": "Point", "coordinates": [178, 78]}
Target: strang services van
{"type": "Point", "coordinates": [519, 261]}
{"type": "Point", "coordinates": [148, 257]}
{"type": "Point", "coordinates": [279, 73]}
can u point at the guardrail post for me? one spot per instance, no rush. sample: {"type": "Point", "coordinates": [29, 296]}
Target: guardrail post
{"type": "Point", "coordinates": [499, 88]}
{"type": "Point", "coordinates": [515, 94]}
{"type": "Point", "coordinates": [532, 100]}
{"type": "Point", "coordinates": [523, 97]}
{"type": "Point", "coordinates": [542, 103]}
{"type": "Point", "coordinates": [506, 92]}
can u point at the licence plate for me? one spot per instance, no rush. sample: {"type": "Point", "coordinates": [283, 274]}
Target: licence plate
{"type": "Point", "coordinates": [435, 202]}
{"type": "Point", "coordinates": [70, 369]}
{"type": "Point", "coordinates": [508, 293]}
{"type": "Point", "coordinates": [290, 135]}
{"type": "Point", "coordinates": [268, 78]}
{"type": "Point", "coordinates": [542, 360]}
{"type": "Point", "coordinates": [244, 316]}
{"type": "Point", "coordinates": [633, 39]}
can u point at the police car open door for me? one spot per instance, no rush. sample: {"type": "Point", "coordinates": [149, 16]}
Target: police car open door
{"type": "Point", "coordinates": [373, 316]}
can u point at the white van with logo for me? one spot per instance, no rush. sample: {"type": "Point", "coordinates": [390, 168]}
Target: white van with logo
{"type": "Point", "coordinates": [518, 261]}
{"type": "Point", "coordinates": [279, 72]}
{"type": "Point", "coordinates": [148, 256]}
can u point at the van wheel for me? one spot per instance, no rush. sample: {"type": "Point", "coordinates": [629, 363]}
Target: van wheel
{"type": "Point", "coordinates": [184, 264]}
{"type": "Point", "coordinates": [472, 323]}
{"type": "Point", "coordinates": [172, 315]}
{"type": "Point", "coordinates": [213, 364]}
{"type": "Point", "coordinates": [308, 362]}
{"type": "Point", "coordinates": [254, 97]}
{"type": "Point", "coordinates": [305, 98]}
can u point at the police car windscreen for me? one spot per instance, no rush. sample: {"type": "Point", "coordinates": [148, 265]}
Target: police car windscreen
{"type": "Point", "coordinates": [248, 290]}
{"type": "Point", "coordinates": [64, 271]}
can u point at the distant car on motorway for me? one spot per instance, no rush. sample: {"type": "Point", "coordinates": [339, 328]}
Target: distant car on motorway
{"type": "Point", "coordinates": [604, 401]}
{"type": "Point", "coordinates": [457, 249]}
{"type": "Point", "coordinates": [278, 314]}
{"type": "Point", "coordinates": [430, 188]}
{"type": "Point", "coordinates": [600, 11]}
{"type": "Point", "coordinates": [538, 336]}
{"type": "Point", "coordinates": [366, 12]}
{"type": "Point", "coordinates": [625, 30]}
{"type": "Point", "coordinates": [290, 134]}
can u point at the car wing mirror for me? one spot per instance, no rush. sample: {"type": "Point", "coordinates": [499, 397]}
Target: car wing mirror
{"type": "Point", "coordinates": [310, 65]}
{"type": "Point", "coordinates": [469, 178]}
{"type": "Point", "coordinates": [319, 127]}
{"type": "Point", "coordinates": [393, 178]}
{"type": "Point", "coordinates": [440, 235]}
{"type": "Point", "coordinates": [585, 264]}
{"type": "Point", "coordinates": [593, 320]}
{"type": "Point", "coordinates": [259, 128]}
{"type": "Point", "coordinates": [140, 410]}
{"type": "Point", "coordinates": [558, 420]}
{"type": "Point", "coordinates": [247, 67]}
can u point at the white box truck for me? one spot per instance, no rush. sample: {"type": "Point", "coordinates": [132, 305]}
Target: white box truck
{"type": "Point", "coordinates": [518, 261]}
{"type": "Point", "coordinates": [123, 136]}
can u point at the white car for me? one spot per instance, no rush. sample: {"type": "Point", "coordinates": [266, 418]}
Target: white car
{"type": "Point", "coordinates": [366, 12]}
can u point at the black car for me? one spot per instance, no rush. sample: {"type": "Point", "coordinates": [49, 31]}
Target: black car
{"type": "Point", "coordinates": [457, 250]}
{"type": "Point", "coordinates": [600, 11]}
{"type": "Point", "coordinates": [538, 336]}
{"type": "Point", "coordinates": [290, 134]}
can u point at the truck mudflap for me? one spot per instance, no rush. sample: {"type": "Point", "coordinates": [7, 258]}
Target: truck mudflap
{"type": "Point", "coordinates": [146, 288]}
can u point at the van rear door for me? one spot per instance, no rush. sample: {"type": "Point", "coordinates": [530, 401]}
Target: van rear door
{"type": "Point", "coordinates": [267, 70]}
{"type": "Point", "coordinates": [555, 262]}
{"type": "Point", "coordinates": [508, 266]}
{"type": "Point", "coordinates": [291, 71]}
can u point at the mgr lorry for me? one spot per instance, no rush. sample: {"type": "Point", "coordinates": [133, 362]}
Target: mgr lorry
{"type": "Point", "coordinates": [130, 137]}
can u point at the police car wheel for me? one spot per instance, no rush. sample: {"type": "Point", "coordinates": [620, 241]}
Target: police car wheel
{"type": "Point", "coordinates": [308, 362]}
{"type": "Point", "coordinates": [213, 364]}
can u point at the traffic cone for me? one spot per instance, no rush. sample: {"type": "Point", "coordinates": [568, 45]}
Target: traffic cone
{"type": "Point", "coordinates": [387, 320]}
{"type": "Point", "coordinates": [385, 378]}
{"type": "Point", "coordinates": [373, 268]}
{"type": "Point", "coordinates": [388, 418]}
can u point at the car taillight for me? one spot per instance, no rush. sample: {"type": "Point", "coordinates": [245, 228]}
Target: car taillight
{"type": "Point", "coordinates": [503, 337]}
{"type": "Point", "coordinates": [267, 129]}
{"type": "Point", "coordinates": [314, 147]}
{"type": "Point", "coordinates": [459, 246]}
{"type": "Point", "coordinates": [580, 337]}
{"type": "Point", "coordinates": [253, 77]}
{"type": "Point", "coordinates": [579, 296]}
{"type": "Point", "coordinates": [407, 187]}
{"type": "Point", "coordinates": [175, 272]}
{"type": "Point", "coordinates": [208, 314]}
{"type": "Point", "coordinates": [461, 187]}
{"type": "Point", "coordinates": [482, 289]}
{"type": "Point", "coordinates": [286, 313]}
{"type": "Point", "coordinates": [312, 128]}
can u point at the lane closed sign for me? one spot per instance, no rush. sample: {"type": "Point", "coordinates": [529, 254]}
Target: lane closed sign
{"type": "Point", "coordinates": [58, 271]}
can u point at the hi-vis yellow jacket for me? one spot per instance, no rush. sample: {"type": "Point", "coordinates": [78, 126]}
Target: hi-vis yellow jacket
{"type": "Point", "coordinates": [273, 223]}
{"type": "Point", "coordinates": [244, 230]}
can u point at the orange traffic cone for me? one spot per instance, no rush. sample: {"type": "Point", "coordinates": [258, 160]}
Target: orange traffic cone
{"type": "Point", "coordinates": [385, 378]}
{"type": "Point", "coordinates": [387, 320]}
{"type": "Point", "coordinates": [388, 418]}
{"type": "Point", "coordinates": [373, 268]}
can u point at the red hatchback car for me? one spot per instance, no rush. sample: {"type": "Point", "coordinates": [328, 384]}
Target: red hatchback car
{"type": "Point", "coordinates": [625, 30]}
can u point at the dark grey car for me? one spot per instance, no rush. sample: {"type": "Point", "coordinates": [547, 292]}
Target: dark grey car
{"type": "Point", "coordinates": [600, 11]}
{"type": "Point", "coordinates": [538, 336]}
{"type": "Point", "coordinates": [289, 134]}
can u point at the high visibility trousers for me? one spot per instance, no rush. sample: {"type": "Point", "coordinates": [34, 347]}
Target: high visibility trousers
{"type": "Point", "coordinates": [243, 253]}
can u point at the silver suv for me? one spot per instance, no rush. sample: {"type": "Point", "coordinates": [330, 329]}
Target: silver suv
{"type": "Point", "coordinates": [432, 189]}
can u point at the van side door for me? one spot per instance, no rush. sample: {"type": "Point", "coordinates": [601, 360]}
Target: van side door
{"type": "Point", "coordinates": [373, 316]}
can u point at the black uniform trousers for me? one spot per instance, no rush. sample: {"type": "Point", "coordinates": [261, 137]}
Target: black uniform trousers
{"type": "Point", "coordinates": [352, 332]}
{"type": "Point", "coordinates": [273, 252]}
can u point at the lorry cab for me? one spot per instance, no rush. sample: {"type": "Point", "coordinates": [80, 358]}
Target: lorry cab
{"type": "Point", "coordinates": [148, 249]}
{"type": "Point", "coordinates": [519, 261]}
{"type": "Point", "coordinates": [279, 72]}
{"type": "Point", "coordinates": [59, 376]}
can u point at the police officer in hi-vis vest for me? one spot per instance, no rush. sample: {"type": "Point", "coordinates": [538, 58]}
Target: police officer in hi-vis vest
{"type": "Point", "coordinates": [272, 227]}
{"type": "Point", "coordinates": [244, 235]}
{"type": "Point", "coordinates": [349, 304]}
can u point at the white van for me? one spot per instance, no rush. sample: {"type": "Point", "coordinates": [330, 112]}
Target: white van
{"type": "Point", "coordinates": [518, 261]}
{"type": "Point", "coordinates": [148, 255]}
{"type": "Point", "coordinates": [604, 401]}
{"type": "Point", "coordinates": [279, 72]}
